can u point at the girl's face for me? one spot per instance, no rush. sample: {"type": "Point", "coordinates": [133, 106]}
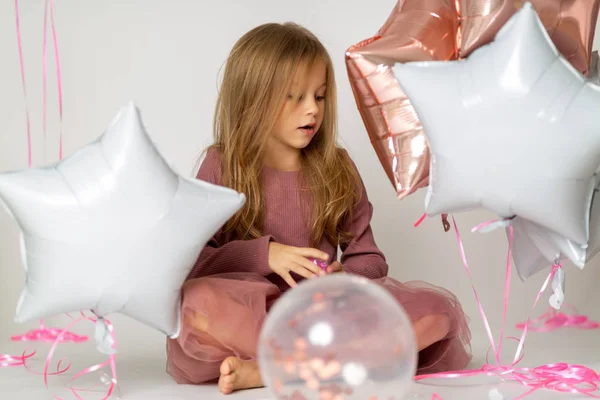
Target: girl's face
{"type": "Point", "coordinates": [303, 110]}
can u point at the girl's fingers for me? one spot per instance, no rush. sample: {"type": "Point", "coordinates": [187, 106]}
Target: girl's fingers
{"type": "Point", "coordinates": [335, 267]}
{"type": "Point", "coordinates": [309, 265]}
{"type": "Point", "coordinates": [288, 278]}
{"type": "Point", "coordinates": [308, 252]}
{"type": "Point", "coordinates": [303, 272]}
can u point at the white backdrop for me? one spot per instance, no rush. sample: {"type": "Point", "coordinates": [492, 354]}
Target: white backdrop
{"type": "Point", "coordinates": [166, 55]}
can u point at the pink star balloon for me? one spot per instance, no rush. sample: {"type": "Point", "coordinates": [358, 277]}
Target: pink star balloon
{"type": "Point", "coordinates": [416, 30]}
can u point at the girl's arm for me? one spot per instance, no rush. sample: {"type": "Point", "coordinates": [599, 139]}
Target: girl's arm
{"type": "Point", "coordinates": [220, 255]}
{"type": "Point", "coordinates": [362, 256]}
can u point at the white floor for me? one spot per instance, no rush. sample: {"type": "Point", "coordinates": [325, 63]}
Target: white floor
{"type": "Point", "coordinates": [142, 377]}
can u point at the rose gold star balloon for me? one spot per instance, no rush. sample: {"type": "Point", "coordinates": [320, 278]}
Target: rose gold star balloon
{"type": "Point", "coordinates": [416, 30]}
{"type": "Point", "coordinates": [570, 23]}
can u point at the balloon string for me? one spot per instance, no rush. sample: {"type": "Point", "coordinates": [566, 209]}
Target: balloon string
{"type": "Point", "coordinates": [7, 360]}
{"type": "Point", "coordinates": [42, 333]}
{"type": "Point", "coordinates": [22, 65]}
{"type": "Point", "coordinates": [49, 4]}
{"type": "Point", "coordinates": [420, 220]}
{"type": "Point", "coordinates": [445, 223]}
{"type": "Point", "coordinates": [561, 377]}
{"type": "Point", "coordinates": [58, 75]}
{"type": "Point", "coordinates": [44, 76]}
{"type": "Point", "coordinates": [111, 360]}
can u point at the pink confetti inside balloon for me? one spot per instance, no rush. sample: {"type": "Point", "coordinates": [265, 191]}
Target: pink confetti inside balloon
{"type": "Point", "coordinates": [337, 337]}
{"type": "Point", "coordinates": [322, 264]}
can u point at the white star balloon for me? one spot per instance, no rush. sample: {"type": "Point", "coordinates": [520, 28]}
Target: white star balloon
{"type": "Point", "coordinates": [513, 129]}
{"type": "Point", "coordinates": [112, 228]}
{"type": "Point", "coordinates": [536, 248]}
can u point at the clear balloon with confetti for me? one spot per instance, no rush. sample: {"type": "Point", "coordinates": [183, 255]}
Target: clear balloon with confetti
{"type": "Point", "coordinates": [339, 337]}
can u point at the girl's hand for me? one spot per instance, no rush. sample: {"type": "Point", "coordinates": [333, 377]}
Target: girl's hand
{"type": "Point", "coordinates": [283, 259]}
{"type": "Point", "coordinates": [335, 267]}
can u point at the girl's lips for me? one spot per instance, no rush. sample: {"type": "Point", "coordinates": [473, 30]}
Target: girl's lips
{"type": "Point", "coordinates": [308, 129]}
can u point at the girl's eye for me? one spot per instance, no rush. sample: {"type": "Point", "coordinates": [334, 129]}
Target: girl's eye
{"type": "Point", "coordinates": [320, 98]}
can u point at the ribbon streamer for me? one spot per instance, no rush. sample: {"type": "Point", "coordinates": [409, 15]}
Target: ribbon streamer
{"type": "Point", "coordinates": [22, 64]}
{"type": "Point", "coordinates": [553, 320]}
{"type": "Point", "coordinates": [17, 361]}
{"type": "Point", "coordinates": [50, 3]}
{"type": "Point", "coordinates": [54, 335]}
{"type": "Point", "coordinates": [111, 360]}
{"type": "Point", "coordinates": [43, 333]}
{"type": "Point", "coordinates": [48, 335]}
{"type": "Point", "coordinates": [7, 360]}
{"type": "Point", "coordinates": [561, 377]}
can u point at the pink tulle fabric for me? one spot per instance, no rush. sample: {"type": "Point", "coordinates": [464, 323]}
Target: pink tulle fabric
{"type": "Point", "coordinates": [223, 315]}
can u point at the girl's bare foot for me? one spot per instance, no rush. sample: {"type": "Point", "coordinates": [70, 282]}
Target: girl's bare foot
{"type": "Point", "coordinates": [431, 329]}
{"type": "Point", "coordinates": [237, 374]}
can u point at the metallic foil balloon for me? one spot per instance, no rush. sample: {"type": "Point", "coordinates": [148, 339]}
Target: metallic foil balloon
{"type": "Point", "coordinates": [416, 30]}
{"type": "Point", "coordinates": [513, 129]}
{"type": "Point", "coordinates": [536, 248]}
{"type": "Point", "coordinates": [570, 23]}
{"type": "Point", "coordinates": [112, 228]}
{"type": "Point", "coordinates": [337, 337]}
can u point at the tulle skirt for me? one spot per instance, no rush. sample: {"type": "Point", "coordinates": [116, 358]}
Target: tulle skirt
{"type": "Point", "coordinates": [236, 304]}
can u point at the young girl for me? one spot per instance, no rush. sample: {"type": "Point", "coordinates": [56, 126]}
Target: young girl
{"type": "Point", "coordinates": [275, 141]}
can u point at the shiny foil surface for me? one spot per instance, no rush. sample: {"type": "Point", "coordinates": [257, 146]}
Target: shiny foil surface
{"type": "Point", "coordinates": [416, 30]}
{"type": "Point", "coordinates": [570, 23]}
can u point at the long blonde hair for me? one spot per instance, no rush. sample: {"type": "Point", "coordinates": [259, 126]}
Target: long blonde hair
{"type": "Point", "coordinates": [257, 78]}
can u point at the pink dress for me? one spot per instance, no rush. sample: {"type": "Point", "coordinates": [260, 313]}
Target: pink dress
{"type": "Point", "coordinates": [234, 288]}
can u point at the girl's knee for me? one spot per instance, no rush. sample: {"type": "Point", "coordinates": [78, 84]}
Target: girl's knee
{"type": "Point", "coordinates": [196, 320]}
{"type": "Point", "coordinates": [441, 324]}
{"type": "Point", "coordinates": [431, 329]}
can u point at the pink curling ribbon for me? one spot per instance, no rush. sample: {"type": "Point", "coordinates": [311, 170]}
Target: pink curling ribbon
{"type": "Point", "coordinates": [112, 381]}
{"type": "Point", "coordinates": [14, 361]}
{"type": "Point", "coordinates": [42, 333]}
{"type": "Point", "coordinates": [111, 361]}
{"type": "Point", "coordinates": [420, 220]}
{"type": "Point", "coordinates": [445, 222]}
{"type": "Point", "coordinates": [61, 368]}
{"type": "Point", "coordinates": [49, 335]}
{"type": "Point", "coordinates": [58, 75]}
{"type": "Point", "coordinates": [553, 320]}
{"type": "Point", "coordinates": [561, 377]}
{"type": "Point", "coordinates": [52, 334]}
{"type": "Point", "coordinates": [44, 77]}
{"type": "Point", "coordinates": [20, 47]}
